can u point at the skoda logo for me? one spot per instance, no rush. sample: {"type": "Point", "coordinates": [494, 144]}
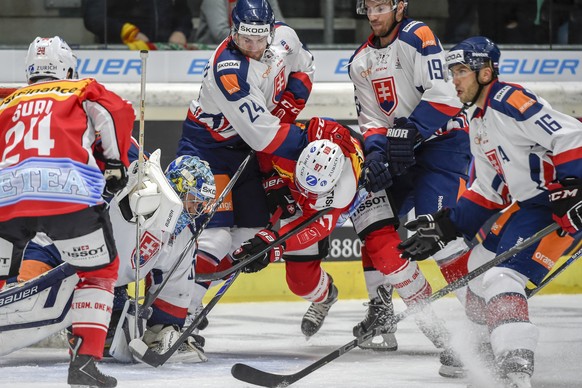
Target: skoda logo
{"type": "Point", "coordinates": [311, 180]}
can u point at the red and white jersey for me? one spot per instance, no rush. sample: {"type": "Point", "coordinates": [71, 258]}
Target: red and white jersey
{"type": "Point", "coordinates": [520, 145]}
{"type": "Point", "coordinates": [340, 198]}
{"type": "Point", "coordinates": [238, 95]}
{"type": "Point", "coordinates": [46, 133]}
{"type": "Point", "coordinates": [408, 78]}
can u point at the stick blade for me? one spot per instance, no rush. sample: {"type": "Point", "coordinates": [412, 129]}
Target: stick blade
{"type": "Point", "coordinates": [144, 354]}
{"type": "Point", "coordinates": [254, 376]}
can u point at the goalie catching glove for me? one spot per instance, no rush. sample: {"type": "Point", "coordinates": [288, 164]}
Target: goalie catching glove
{"type": "Point", "coordinates": [433, 232]}
{"type": "Point", "coordinates": [566, 202]}
{"type": "Point", "coordinates": [261, 241]}
{"type": "Point", "coordinates": [279, 196]}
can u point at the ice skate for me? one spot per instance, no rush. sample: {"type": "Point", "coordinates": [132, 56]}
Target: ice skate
{"type": "Point", "coordinates": [191, 316]}
{"type": "Point", "coordinates": [380, 311]}
{"type": "Point", "coordinates": [451, 364]}
{"type": "Point", "coordinates": [160, 338]}
{"type": "Point", "coordinates": [315, 315]}
{"type": "Point", "coordinates": [83, 372]}
{"type": "Point", "coordinates": [516, 368]}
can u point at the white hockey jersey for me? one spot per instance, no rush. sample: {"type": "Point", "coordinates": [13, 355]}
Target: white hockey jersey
{"type": "Point", "coordinates": [407, 78]}
{"type": "Point", "coordinates": [520, 145]}
{"type": "Point", "coordinates": [238, 95]}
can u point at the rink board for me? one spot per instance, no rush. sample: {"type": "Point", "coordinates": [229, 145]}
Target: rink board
{"type": "Point", "coordinates": [270, 284]}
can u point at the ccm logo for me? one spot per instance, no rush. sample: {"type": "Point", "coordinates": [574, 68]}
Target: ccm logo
{"type": "Point", "coordinates": [563, 194]}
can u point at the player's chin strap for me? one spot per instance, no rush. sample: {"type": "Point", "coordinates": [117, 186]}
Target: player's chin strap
{"type": "Point", "coordinates": [255, 376]}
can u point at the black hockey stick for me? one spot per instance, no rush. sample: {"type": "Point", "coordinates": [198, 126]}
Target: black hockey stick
{"type": "Point", "coordinates": [141, 351]}
{"type": "Point", "coordinates": [255, 376]}
{"type": "Point", "coordinates": [206, 277]}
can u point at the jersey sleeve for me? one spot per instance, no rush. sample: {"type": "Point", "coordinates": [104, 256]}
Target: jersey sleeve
{"type": "Point", "coordinates": [112, 117]}
{"type": "Point", "coordinates": [312, 233]}
{"type": "Point", "coordinates": [423, 52]}
{"type": "Point", "coordinates": [244, 106]}
{"type": "Point", "coordinates": [555, 131]}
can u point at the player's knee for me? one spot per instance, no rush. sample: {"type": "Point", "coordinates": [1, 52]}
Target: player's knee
{"type": "Point", "coordinates": [381, 249]}
{"type": "Point", "coordinates": [104, 277]}
{"type": "Point", "coordinates": [302, 276]}
{"type": "Point", "coordinates": [30, 269]}
{"type": "Point", "coordinates": [215, 242]}
{"type": "Point", "coordinates": [501, 280]}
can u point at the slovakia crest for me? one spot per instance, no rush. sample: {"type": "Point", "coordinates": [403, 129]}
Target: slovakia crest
{"type": "Point", "coordinates": [385, 91]}
{"type": "Point", "coordinates": [279, 86]}
{"type": "Point", "coordinates": [149, 247]}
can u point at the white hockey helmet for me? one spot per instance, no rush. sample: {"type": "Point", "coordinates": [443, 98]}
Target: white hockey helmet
{"type": "Point", "coordinates": [50, 58]}
{"type": "Point", "coordinates": [319, 168]}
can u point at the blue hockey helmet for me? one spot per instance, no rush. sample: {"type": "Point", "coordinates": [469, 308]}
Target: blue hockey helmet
{"type": "Point", "coordinates": [193, 181]}
{"type": "Point", "coordinates": [253, 17]}
{"type": "Point", "coordinates": [475, 52]}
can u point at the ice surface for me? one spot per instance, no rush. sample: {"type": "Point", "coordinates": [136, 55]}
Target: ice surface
{"type": "Point", "coordinates": [268, 336]}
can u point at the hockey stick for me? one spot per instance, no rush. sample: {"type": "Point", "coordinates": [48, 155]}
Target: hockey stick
{"type": "Point", "coordinates": [142, 352]}
{"type": "Point", "coordinates": [243, 263]}
{"type": "Point", "coordinates": [532, 291]}
{"type": "Point", "coordinates": [255, 376]}
{"type": "Point", "coordinates": [213, 208]}
{"type": "Point", "coordinates": [143, 54]}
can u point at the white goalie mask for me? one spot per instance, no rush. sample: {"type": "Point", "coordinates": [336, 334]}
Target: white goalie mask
{"type": "Point", "coordinates": [50, 58]}
{"type": "Point", "coordinates": [319, 168]}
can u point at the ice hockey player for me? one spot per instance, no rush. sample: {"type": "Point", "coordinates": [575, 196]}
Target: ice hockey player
{"type": "Point", "coordinates": [51, 184]}
{"type": "Point", "coordinates": [168, 206]}
{"type": "Point", "coordinates": [525, 152]}
{"type": "Point", "coordinates": [255, 85]}
{"type": "Point", "coordinates": [323, 177]}
{"type": "Point", "coordinates": [405, 105]}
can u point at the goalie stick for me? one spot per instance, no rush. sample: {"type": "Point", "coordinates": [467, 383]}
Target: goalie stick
{"type": "Point", "coordinates": [213, 208]}
{"type": "Point", "coordinates": [141, 351]}
{"type": "Point", "coordinates": [255, 376]}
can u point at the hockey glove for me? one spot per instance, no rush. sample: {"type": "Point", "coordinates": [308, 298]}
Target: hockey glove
{"type": "Point", "coordinates": [401, 140]}
{"type": "Point", "coordinates": [566, 202]}
{"type": "Point", "coordinates": [433, 232]}
{"type": "Point", "coordinates": [279, 196]}
{"type": "Point", "coordinates": [262, 240]}
{"type": "Point", "coordinates": [288, 108]}
{"type": "Point", "coordinates": [375, 173]}
{"type": "Point", "coordinates": [115, 177]}
{"type": "Point", "coordinates": [319, 128]}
